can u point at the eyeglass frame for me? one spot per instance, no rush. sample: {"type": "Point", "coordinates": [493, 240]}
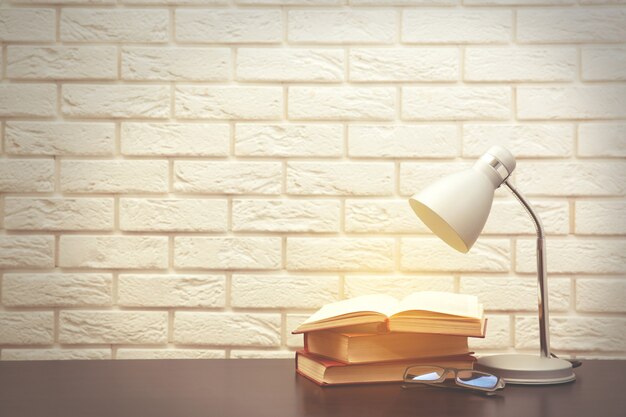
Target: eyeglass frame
{"type": "Point", "coordinates": [500, 383]}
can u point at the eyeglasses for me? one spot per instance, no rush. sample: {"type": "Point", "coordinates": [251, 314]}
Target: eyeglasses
{"type": "Point", "coordinates": [466, 378]}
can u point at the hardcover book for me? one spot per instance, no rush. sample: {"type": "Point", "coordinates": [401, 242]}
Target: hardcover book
{"type": "Point", "coordinates": [366, 348]}
{"type": "Point", "coordinates": [324, 371]}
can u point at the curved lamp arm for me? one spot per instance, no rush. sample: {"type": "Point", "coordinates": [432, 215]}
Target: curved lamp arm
{"type": "Point", "coordinates": [544, 331]}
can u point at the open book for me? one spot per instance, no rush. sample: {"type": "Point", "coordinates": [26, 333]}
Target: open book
{"type": "Point", "coordinates": [420, 312]}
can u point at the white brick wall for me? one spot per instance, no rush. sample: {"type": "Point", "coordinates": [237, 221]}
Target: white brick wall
{"type": "Point", "coordinates": [59, 139]}
{"type": "Point", "coordinates": [192, 179]}
{"type": "Point", "coordinates": [108, 25]}
{"type": "Point", "coordinates": [61, 62]}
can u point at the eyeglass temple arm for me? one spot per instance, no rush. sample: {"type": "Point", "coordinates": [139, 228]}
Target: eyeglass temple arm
{"type": "Point", "coordinates": [544, 330]}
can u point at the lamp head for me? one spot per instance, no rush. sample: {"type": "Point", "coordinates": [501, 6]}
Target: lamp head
{"type": "Point", "coordinates": [456, 207]}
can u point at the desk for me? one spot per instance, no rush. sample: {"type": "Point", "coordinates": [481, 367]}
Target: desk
{"type": "Point", "coordinates": [270, 387]}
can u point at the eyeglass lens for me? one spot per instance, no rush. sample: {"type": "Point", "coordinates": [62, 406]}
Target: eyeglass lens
{"type": "Point", "coordinates": [424, 373]}
{"type": "Point", "coordinates": [477, 379]}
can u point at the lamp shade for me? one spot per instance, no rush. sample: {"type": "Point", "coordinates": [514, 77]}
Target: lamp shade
{"type": "Point", "coordinates": [456, 207]}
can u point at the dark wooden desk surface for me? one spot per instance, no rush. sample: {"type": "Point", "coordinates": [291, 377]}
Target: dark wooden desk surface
{"type": "Point", "coordinates": [270, 387]}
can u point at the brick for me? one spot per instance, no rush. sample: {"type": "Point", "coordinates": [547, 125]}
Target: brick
{"type": "Point", "coordinates": [588, 102]}
{"type": "Point", "coordinates": [118, 327]}
{"type": "Point", "coordinates": [600, 217]}
{"type": "Point", "coordinates": [401, 2]}
{"type": "Point", "coordinates": [120, 101]}
{"type": "Point", "coordinates": [284, 140]}
{"type": "Point", "coordinates": [520, 64]}
{"type": "Point", "coordinates": [54, 354]}
{"type": "Point", "coordinates": [175, 64]}
{"type": "Point", "coordinates": [456, 26]}
{"type": "Point", "coordinates": [601, 295]}
{"type": "Point", "coordinates": [578, 255]}
{"type": "Point", "coordinates": [56, 290]}
{"type": "Point", "coordinates": [280, 291]}
{"type": "Point", "coordinates": [23, 213]}
{"type": "Point", "coordinates": [261, 354]}
{"type": "Point", "coordinates": [404, 64]}
{"type": "Point", "coordinates": [27, 25]}
{"type": "Point", "coordinates": [340, 254]}
{"type": "Point", "coordinates": [515, 293]}
{"type": "Point", "coordinates": [345, 26]}
{"type": "Point", "coordinates": [603, 63]}
{"type": "Point", "coordinates": [26, 328]}
{"type": "Point", "coordinates": [510, 217]}
{"type": "Point", "coordinates": [36, 100]}
{"type": "Point", "coordinates": [173, 215]}
{"type": "Point", "coordinates": [227, 252]}
{"type": "Point", "coordinates": [340, 103]}
{"type": "Point", "coordinates": [571, 25]}
{"type": "Point", "coordinates": [598, 334]}
{"type": "Point", "coordinates": [403, 141]}
{"type": "Point", "coordinates": [498, 334]}
{"type": "Point", "coordinates": [225, 103]}
{"type": "Point", "coordinates": [292, 322]}
{"type": "Point", "coordinates": [175, 139]}
{"type": "Point", "coordinates": [26, 175]}
{"type": "Point", "coordinates": [432, 254]}
{"type": "Point", "coordinates": [177, 2]}
{"type": "Point", "coordinates": [268, 64]}
{"type": "Point", "coordinates": [62, 62]}
{"type": "Point", "coordinates": [524, 141]}
{"type": "Point", "coordinates": [74, 2]}
{"type": "Point", "coordinates": [381, 216]}
{"type": "Point", "coordinates": [196, 328]}
{"type": "Point", "coordinates": [396, 286]}
{"type": "Point", "coordinates": [228, 26]}
{"type": "Point", "coordinates": [227, 177]}
{"type": "Point", "coordinates": [602, 140]}
{"type": "Point", "coordinates": [114, 176]}
{"type": "Point", "coordinates": [456, 103]}
{"type": "Point", "coordinates": [147, 290]}
{"type": "Point", "coordinates": [291, 2]}
{"type": "Point", "coordinates": [317, 216]}
{"type": "Point", "coordinates": [114, 25]}
{"type": "Point", "coordinates": [170, 353]}
{"type": "Point", "coordinates": [137, 252]}
{"type": "Point", "coordinates": [602, 1]}
{"type": "Point", "coordinates": [339, 178]}
{"type": "Point", "coordinates": [59, 138]}
{"type": "Point", "coordinates": [26, 252]}
{"type": "Point", "coordinates": [572, 179]}
{"type": "Point", "coordinates": [517, 2]}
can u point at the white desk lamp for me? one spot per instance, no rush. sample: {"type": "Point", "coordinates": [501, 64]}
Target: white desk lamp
{"type": "Point", "coordinates": [456, 208]}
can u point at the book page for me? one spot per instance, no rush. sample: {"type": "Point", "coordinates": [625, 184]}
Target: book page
{"type": "Point", "coordinates": [441, 302]}
{"type": "Point", "coordinates": [377, 303]}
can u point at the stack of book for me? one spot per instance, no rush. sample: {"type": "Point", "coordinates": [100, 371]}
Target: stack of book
{"type": "Point", "coordinates": [374, 338]}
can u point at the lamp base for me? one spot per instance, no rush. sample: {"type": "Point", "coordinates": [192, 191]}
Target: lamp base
{"type": "Point", "coordinates": [527, 369]}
